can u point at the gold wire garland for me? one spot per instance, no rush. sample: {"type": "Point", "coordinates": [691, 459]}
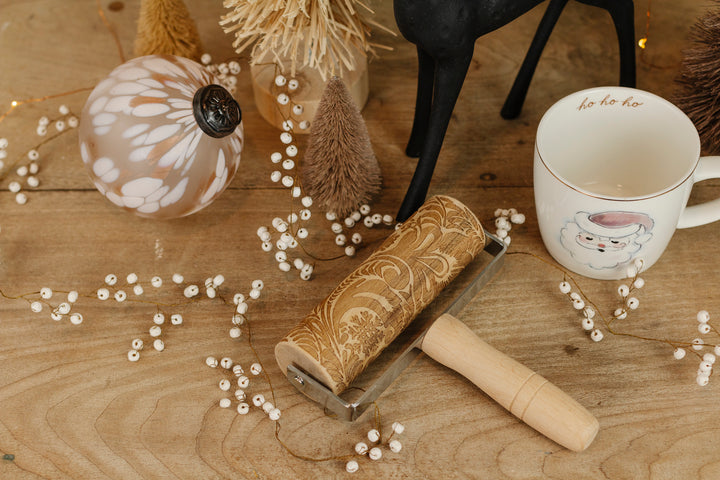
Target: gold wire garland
{"type": "Point", "coordinates": [608, 324]}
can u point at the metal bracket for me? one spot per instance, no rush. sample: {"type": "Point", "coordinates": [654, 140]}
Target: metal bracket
{"type": "Point", "coordinates": [452, 300]}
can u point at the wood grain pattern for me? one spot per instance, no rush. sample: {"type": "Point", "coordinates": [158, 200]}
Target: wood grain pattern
{"type": "Point", "coordinates": [73, 407]}
{"type": "Point", "coordinates": [374, 303]}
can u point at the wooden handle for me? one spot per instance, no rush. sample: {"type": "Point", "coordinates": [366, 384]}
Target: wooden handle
{"type": "Point", "coordinates": [523, 392]}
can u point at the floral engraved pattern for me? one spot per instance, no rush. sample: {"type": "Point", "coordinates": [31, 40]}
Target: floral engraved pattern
{"type": "Point", "coordinates": [373, 304]}
{"type": "Point", "coordinates": [141, 143]}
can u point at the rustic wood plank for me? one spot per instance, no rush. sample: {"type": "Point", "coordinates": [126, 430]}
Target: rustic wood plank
{"type": "Point", "coordinates": [72, 406]}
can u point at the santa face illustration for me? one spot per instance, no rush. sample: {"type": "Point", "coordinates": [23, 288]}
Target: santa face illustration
{"type": "Point", "coordinates": [607, 239]}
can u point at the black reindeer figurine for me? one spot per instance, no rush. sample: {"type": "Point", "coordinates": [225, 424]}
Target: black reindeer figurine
{"type": "Point", "coordinates": [444, 32]}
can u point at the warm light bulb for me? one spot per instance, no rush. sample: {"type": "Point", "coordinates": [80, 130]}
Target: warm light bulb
{"type": "Point", "coordinates": [642, 41]}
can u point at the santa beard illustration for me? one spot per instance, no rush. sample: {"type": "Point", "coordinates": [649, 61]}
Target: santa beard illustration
{"type": "Point", "coordinates": [607, 239]}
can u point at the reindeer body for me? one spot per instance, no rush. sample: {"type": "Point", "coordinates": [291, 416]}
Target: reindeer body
{"type": "Point", "coordinates": [454, 22]}
{"type": "Point", "coordinates": [445, 32]}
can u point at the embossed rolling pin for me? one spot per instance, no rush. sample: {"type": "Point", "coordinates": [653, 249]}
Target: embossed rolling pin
{"type": "Point", "coordinates": [372, 305]}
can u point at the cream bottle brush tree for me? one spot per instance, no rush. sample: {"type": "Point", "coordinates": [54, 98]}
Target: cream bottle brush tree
{"type": "Point", "coordinates": [165, 27]}
{"type": "Point", "coordinates": [321, 34]}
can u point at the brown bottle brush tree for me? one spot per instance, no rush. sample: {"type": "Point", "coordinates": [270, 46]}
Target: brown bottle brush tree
{"type": "Point", "coordinates": [698, 94]}
{"type": "Point", "coordinates": [165, 27]}
{"type": "Point", "coordinates": [339, 169]}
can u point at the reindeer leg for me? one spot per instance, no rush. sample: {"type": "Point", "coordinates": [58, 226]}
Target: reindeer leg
{"type": "Point", "coordinates": [423, 101]}
{"type": "Point", "coordinates": [449, 78]}
{"type": "Point", "coordinates": [516, 97]}
{"type": "Point", "coordinates": [622, 13]}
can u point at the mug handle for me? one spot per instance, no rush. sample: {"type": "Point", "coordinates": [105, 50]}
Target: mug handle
{"type": "Point", "coordinates": [708, 167]}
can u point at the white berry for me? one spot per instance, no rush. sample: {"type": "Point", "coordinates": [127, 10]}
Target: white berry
{"type": "Point", "coordinates": [352, 466]}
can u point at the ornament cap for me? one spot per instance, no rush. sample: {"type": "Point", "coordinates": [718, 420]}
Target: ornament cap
{"type": "Point", "coordinates": [216, 111]}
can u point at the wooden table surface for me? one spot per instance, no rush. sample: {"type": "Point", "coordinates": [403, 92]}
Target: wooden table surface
{"type": "Point", "coordinates": [73, 406]}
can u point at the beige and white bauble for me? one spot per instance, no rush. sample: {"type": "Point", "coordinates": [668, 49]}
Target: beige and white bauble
{"type": "Point", "coordinates": [160, 137]}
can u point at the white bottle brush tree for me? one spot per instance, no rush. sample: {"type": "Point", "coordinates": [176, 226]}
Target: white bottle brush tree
{"type": "Point", "coordinates": [319, 34]}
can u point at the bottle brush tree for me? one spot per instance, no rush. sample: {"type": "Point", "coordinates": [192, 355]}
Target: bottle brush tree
{"type": "Point", "coordinates": [319, 34]}
{"type": "Point", "coordinates": [698, 94]}
{"type": "Point", "coordinates": [165, 27]}
{"type": "Point", "coordinates": [339, 169]}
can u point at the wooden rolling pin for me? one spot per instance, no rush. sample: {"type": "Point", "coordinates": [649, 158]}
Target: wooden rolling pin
{"type": "Point", "coordinates": [373, 304]}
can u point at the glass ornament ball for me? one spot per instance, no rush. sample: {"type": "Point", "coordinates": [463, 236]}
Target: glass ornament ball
{"type": "Point", "coordinates": [160, 137]}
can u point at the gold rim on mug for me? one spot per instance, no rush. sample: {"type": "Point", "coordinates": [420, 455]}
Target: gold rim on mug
{"type": "Point", "coordinates": [613, 199]}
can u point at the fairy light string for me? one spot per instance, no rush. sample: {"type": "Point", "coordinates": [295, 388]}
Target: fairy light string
{"type": "Point", "coordinates": [16, 103]}
{"type": "Point", "coordinates": [111, 30]}
{"type": "Point", "coordinates": [643, 43]}
{"type": "Point", "coordinates": [101, 13]}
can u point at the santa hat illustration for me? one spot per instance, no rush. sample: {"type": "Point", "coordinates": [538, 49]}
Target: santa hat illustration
{"type": "Point", "coordinates": [614, 224]}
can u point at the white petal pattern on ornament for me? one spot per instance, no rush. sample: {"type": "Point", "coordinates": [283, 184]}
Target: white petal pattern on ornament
{"type": "Point", "coordinates": [148, 152]}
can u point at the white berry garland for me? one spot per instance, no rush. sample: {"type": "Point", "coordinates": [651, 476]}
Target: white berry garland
{"type": "Point", "coordinates": [225, 71]}
{"type": "Point", "coordinates": [504, 220]}
{"type": "Point", "coordinates": [26, 167]}
{"type": "Point", "coordinates": [234, 373]}
{"type": "Point", "coordinates": [167, 316]}
{"type": "Point", "coordinates": [374, 451]}
{"type": "Point", "coordinates": [112, 290]}
{"type": "Point", "coordinates": [284, 237]}
{"type": "Point", "coordinates": [628, 303]}
{"type": "Point", "coordinates": [698, 345]}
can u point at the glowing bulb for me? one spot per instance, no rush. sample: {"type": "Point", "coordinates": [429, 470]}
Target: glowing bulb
{"type": "Point", "coordinates": [14, 103]}
{"type": "Point", "coordinates": [642, 41]}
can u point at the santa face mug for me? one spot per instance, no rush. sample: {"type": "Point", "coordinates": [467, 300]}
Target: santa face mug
{"type": "Point", "coordinates": [613, 172]}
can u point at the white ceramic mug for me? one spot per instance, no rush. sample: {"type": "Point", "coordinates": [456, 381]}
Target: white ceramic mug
{"type": "Point", "coordinates": [613, 171]}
